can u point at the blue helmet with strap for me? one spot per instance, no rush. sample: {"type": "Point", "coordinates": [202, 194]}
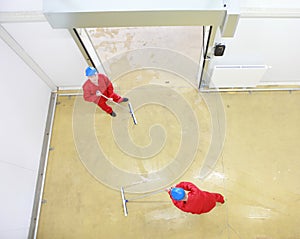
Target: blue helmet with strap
{"type": "Point", "coordinates": [177, 194]}
{"type": "Point", "coordinates": [90, 71]}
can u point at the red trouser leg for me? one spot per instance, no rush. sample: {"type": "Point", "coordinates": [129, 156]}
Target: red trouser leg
{"type": "Point", "coordinates": [102, 104]}
{"type": "Point", "coordinates": [116, 97]}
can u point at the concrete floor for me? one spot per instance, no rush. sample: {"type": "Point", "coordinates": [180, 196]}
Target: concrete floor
{"type": "Point", "coordinates": [245, 146]}
{"type": "Point", "coordinates": [257, 172]}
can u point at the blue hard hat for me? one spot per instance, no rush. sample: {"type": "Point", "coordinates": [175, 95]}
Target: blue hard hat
{"type": "Point", "coordinates": [177, 194]}
{"type": "Point", "coordinates": [90, 71]}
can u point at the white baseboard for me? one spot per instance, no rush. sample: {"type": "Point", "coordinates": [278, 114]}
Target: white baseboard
{"type": "Point", "coordinates": [69, 88]}
{"type": "Point", "coordinates": [286, 83]}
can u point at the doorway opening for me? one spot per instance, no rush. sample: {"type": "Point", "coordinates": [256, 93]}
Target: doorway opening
{"type": "Point", "coordinates": [177, 49]}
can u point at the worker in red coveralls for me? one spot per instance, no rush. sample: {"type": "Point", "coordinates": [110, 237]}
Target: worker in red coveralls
{"type": "Point", "coordinates": [98, 85]}
{"type": "Point", "coordinates": [195, 201]}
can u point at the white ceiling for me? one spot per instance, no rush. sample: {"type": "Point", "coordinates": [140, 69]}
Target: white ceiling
{"type": "Point", "coordinates": [270, 4]}
{"type": "Point", "coordinates": [21, 5]}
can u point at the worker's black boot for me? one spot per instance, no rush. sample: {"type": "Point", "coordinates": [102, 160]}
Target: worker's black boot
{"type": "Point", "coordinates": [124, 99]}
{"type": "Point", "coordinates": [113, 114]}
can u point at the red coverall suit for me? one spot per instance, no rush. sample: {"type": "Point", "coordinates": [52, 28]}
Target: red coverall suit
{"type": "Point", "coordinates": [198, 201]}
{"type": "Point", "coordinates": [105, 87]}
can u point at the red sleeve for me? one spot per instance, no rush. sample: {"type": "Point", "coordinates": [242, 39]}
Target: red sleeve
{"type": "Point", "coordinates": [188, 186]}
{"type": "Point", "coordinates": [87, 93]}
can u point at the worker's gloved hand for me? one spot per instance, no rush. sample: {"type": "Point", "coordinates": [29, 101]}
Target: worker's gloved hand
{"type": "Point", "coordinates": [98, 93]}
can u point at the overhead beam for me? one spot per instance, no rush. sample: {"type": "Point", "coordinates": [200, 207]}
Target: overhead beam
{"type": "Point", "coordinates": [120, 13]}
{"type": "Point", "coordinates": [130, 6]}
{"type": "Point", "coordinates": [135, 19]}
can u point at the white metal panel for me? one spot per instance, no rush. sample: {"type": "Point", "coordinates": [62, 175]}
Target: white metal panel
{"type": "Point", "coordinates": [270, 41]}
{"type": "Point", "coordinates": [10, 41]}
{"type": "Point", "coordinates": [24, 101]}
{"type": "Point", "coordinates": [53, 50]}
{"type": "Point", "coordinates": [17, 192]}
{"type": "Point", "coordinates": [132, 5]}
{"type": "Point", "coordinates": [237, 76]}
{"type": "Point", "coordinates": [119, 13]}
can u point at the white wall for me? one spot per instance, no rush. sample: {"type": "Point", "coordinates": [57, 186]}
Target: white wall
{"type": "Point", "coordinates": [21, 5]}
{"type": "Point", "coordinates": [267, 34]}
{"type": "Point", "coordinates": [24, 101]}
{"type": "Point", "coordinates": [266, 41]}
{"type": "Point", "coordinates": [51, 59]}
{"type": "Point", "coordinates": [54, 50]}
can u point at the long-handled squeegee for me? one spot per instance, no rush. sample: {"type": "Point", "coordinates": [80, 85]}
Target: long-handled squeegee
{"type": "Point", "coordinates": [132, 113]}
{"type": "Point", "coordinates": [129, 105]}
{"type": "Point", "coordinates": [125, 201]}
